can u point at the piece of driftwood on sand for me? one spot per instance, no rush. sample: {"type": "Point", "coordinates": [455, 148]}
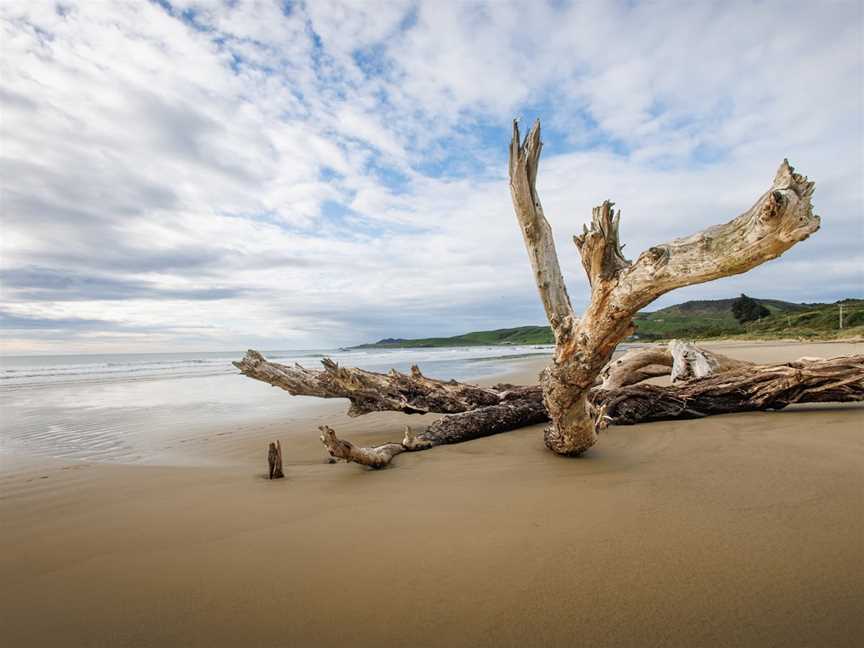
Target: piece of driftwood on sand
{"type": "Point", "coordinates": [274, 460]}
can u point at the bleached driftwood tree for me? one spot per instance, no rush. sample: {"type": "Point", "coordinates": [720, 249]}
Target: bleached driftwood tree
{"type": "Point", "coordinates": [584, 390]}
{"type": "Point", "coordinates": [780, 217]}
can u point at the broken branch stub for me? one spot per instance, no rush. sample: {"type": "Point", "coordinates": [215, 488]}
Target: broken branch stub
{"type": "Point", "coordinates": [274, 460]}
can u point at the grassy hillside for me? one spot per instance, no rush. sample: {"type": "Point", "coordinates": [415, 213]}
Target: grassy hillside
{"type": "Point", "coordinates": [514, 336]}
{"type": "Point", "coordinates": [694, 320]}
{"type": "Point", "coordinates": [700, 319]}
{"type": "Point", "coordinates": [812, 321]}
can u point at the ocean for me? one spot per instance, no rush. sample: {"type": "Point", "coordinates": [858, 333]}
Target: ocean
{"type": "Point", "coordinates": [133, 407]}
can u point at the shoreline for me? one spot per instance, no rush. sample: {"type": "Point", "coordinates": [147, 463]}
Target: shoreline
{"type": "Point", "coordinates": [742, 529]}
{"type": "Point", "coordinates": [222, 443]}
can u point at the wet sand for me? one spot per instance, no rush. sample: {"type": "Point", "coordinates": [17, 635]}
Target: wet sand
{"type": "Point", "coordinates": [738, 530]}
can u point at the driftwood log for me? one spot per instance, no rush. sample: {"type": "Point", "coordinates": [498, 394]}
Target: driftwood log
{"type": "Point", "coordinates": [452, 428]}
{"type": "Point", "coordinates": [779, 218]}
{"type": "Point", "coordinates": [414, 393]}
{"type": "Point", "coordinates": [742, 389]}
{"type": "Point", "coordinates": [706, 384]}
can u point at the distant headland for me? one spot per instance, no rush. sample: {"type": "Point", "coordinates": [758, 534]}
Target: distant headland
{"type": "Point", "coordinates": [696, 319]}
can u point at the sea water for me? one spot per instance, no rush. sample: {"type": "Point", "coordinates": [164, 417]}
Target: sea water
{"type": "Point", "coordinates": [129, 407]}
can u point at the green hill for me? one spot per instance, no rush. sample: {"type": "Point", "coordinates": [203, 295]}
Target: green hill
{"type": "Point", "coordinates": [813, 321]}
{"type": "Point", "coordinates": [698, 319]}
{"type": "Point", "coordinates": [509, 336]}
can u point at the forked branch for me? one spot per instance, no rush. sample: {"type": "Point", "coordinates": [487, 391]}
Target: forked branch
{"type": "Point", "coordinates": [780, 218]}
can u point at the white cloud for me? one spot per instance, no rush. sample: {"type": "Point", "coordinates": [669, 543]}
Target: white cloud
{"type": "Point", "coordinates": [336, 172]}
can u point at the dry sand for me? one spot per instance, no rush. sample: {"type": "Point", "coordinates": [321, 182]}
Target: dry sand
{"type": "Point", "coordinates": [738, 530]}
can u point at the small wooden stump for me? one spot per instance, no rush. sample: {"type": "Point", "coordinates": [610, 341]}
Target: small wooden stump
{"type": "Point", "coordinates": [274, 459]}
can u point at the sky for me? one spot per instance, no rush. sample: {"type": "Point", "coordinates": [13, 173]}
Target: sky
{"type": "Point", "coordinates": [187, 176]}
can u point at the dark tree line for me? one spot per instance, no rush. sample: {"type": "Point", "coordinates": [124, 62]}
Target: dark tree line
{"type": "Point", "coordinates": [746, 309]}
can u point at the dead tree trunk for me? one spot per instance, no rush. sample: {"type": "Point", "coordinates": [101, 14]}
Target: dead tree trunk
{"type": "Point", "coordinates": [781, 217]}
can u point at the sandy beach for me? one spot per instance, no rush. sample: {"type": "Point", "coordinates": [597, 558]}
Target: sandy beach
{"type": "Point", "coordinates": [738, 530]}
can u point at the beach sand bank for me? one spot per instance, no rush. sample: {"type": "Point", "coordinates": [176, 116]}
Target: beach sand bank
{"type": "Point", "coordinates": [738, 530]}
